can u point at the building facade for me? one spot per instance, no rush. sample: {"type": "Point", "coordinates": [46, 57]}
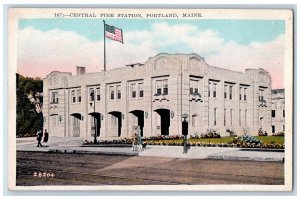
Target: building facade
{"type": "Point", "coordinates": [154, 96]}
{"type": "Point", "coordinates": [278, 111]}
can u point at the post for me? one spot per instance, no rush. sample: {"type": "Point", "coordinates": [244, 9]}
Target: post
{"type": "Point", "coordinates": [95, 135]}
{"type": "Point", "coordinates": [104, 47]}
{"type": "Point", "coordinates": [185, 132]}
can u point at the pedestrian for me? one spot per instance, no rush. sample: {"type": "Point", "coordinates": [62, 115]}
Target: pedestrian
{"type": "Point", "coordinates": [39, 138]}
{"type": "Point", "coordinates": [139, 139]}
{"type": "Point", "coordinates": [134, 140]}
{"type": "Point", "coordinates": [46, 137]}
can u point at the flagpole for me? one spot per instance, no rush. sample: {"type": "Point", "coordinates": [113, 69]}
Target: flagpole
{"type": "Point", "coordinates": [104, 47]}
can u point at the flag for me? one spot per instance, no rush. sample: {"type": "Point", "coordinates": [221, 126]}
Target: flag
{"type": "Point", "coordinates": [113, 33]}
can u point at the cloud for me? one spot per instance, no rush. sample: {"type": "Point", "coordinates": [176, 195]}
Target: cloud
{"type": "Point", "coordinates": [40, 52]}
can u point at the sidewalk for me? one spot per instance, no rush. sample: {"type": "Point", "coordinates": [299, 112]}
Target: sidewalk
{"type": "Point", "coordinates": [72, 145]}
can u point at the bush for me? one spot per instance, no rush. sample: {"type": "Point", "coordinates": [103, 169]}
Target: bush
{"type": "Point", "coordinates": [231, 133]}
{"type": "Point", "coordinates": [210, 133]}
{"type": "Point", "coordinates": [279, 133]}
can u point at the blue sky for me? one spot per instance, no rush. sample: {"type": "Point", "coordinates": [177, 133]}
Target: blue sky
{"type": "Point", "coordinates": [241, 31]}
{"type": "Point", "coordinates": [45, 45]}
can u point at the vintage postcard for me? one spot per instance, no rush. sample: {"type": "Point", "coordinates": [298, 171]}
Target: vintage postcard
{"type": "Point", "coordinates": [150, 99]}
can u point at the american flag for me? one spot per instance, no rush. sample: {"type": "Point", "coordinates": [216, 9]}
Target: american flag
{"type": "Point", "coordinates": [113, 33]}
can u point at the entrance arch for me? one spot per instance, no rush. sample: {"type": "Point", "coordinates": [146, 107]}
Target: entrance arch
{"type": "Point", "coordinates": [75, 122]}
{"type": "Point", "coordinates": [138, 120]}
{"type": "Point", "coordinates": [115, 123]}
{"type": "Point", "coordinates": [164, 120]}
{"type": "Point", "coordinates": [95, 117]}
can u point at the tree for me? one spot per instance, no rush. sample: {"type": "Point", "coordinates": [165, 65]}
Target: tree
{"type": "Point", "coordinates": [29, 105]}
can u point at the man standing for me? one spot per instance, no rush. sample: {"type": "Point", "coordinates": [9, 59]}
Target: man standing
{"type": "Point", "coordinates": [46, 137]}
{"type": "Point", "coordinates": [39, 138]}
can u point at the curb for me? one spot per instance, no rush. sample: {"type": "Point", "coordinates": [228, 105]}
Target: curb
{"type": "Point", "coordinates": [70, 151]}
{"type": "Point", "coordinates": [231, 158]}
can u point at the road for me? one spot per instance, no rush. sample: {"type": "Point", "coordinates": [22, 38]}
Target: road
{"type": "Point", "coordinates": [83, 169]}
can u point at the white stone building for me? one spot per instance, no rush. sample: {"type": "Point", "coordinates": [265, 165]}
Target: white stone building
{"type": "Point", "coordinates": [278, 111]}
{"type": "Point", "coordinates": [154, 96]}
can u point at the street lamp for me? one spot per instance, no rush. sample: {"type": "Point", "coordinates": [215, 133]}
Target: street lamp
{"type": "Point", "coordinates": [95, 127]}
{"type": "Point", "coordinates": [185, 132]}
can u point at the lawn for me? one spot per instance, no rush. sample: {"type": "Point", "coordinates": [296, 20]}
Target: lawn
{"type": "Point", "coordinates": [264, 139]}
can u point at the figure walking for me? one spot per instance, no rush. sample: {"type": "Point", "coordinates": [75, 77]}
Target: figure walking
{"type": "Point", "coordinates": [39, 138]}
{"type": "Point", "coordinates": [46, 137]}
{"type": "Point", "coordinates": [139, 139]}
{"type": "Point", "coordinates": [135, 140]}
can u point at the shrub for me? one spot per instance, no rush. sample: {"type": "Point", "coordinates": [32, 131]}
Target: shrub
{"type": "Point", "coordinates": [279, 133]}
{"type": "Point", "coordinates": [210, 133]}
{"type": "Point", "coordinates": [231, 133]}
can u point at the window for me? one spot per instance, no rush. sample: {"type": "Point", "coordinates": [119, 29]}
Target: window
{"type": "Point", "coordinates": [54, 97]}
{"type": "Point", "coordinates": [92, 94]}
{"type": "Point", "coordinates": [133, 90]}
{"type": "Point", "coordinates": [209, 88]}
{"type": "Point", "coordinates": [141, 89]}
{"type": "Point", "coordinates": [261, 95]}
{"type": "Point", "coordinates": [112, 92]}
{"type": "Point", "coordinates": [214, 90]}
{"type": "Point", "coordinates": [283, 113]}
{"type": "Point", "coordinates": [240, 93]}
{"type": "Point", "coordinates": [118, 91]}
{"type": "Point", "coordinates": [245, 94]}
{"type": "Point", "coordinates": [162, 87]}
{"type": "Point", "coordinates": [230, 92]}
{"type": "Point", "coordinates": [194, 120]}
{"type": "Point", "coordinates": [73, 96]}
{"type": "Point", "coordinates": [98, 94]}
{"type": "Point", "coordinates": [194, 87]}
{"type": "Point", "coordinates": [165, 86]}
{"type": "Point", "coordinates": [224, 117]}
{"type": "Point", "coordinates": [215, 116]}
{"type": "Point", "coordinates": [283, 127]}
{"type": "Point", "coordinates": [273, 129]}
{"type": "Point", "coordinates": [225, 91]}
{"type": "Point", "coordinates": [79, 95]}
{"type": "Point", "coordinates": [273, 113]}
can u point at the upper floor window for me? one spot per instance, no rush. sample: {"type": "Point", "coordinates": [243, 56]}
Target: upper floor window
{"type": "Point", "coordinates": [141, 89]}
{"type": "Point", "coordinates": [92, 94]}
{"type": "Point", "coordinates": [111, 92]}
{"type": "Point", "coordinates": [194, 87]}
{"type": "Point", "coordinates": [243, 93]}
{"type": "Point", "coordinates": [133, 87]}
{"type": "Point", "coordinates": [73, 96]}
{"type": "Point", "coordinates": [98, 93]}
{"type": "Point", "coordinates": [212, 89]}
{"type": "Point", "coordinates": [118, 91]}
{"type": "Point", "coordinates": [79, 95]}
{"type": "Point", "coordinates": [261, 95]}
{"type": "Point", "coordinates": [225, 91]}
{"type": "Point", "coordinates": [162, 87]}
{"type": "Point", "coordinates": [54, 97]}
{"type": "Point", "coordinates": [230, 92]}
{"type": "Point", "coordinates": [273, 113]}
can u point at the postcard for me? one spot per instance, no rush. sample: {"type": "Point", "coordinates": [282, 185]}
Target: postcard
{"type": "Point", "coordinates": [150, 99]}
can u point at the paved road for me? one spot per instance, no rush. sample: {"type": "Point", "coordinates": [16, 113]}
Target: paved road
{"type": "Point", "coordinates": [82, 169]}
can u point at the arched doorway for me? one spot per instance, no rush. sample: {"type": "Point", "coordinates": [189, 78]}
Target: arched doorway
{"type": "Point", "coordinates": [115, 123]}
{"type": "Point", "coordinates": [164, 120]}
{"type": "Point", "coordinates": [138, 120]}
{"type": "Point", "coordinates": [95, 117]}
{"type": "Point", "coordinates": [75, 123]}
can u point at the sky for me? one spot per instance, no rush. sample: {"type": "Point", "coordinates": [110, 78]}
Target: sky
{"type": "Point", "coordinates": [46, 45]}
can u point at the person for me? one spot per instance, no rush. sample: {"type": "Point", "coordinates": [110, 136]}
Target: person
{"type": "Point", "coordinates": [134, 140]}
{"type": "Point", "coordinates": [46, 137]}
{"type": "Point", "coordinates": [39, 138]}
{"type": "Point", "coordinates": [139, 139]}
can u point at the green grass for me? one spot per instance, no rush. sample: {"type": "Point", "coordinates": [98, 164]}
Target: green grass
{"type": "Point", "coordinates": [264, 139]}
{"type": "Point", "coordinates": [269, 139]}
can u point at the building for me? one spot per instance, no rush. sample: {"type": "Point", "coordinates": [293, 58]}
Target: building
{"type": "Point", "coordinates": [155, 95]}
{"type": "Point", "coordinates": [278, 111]}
